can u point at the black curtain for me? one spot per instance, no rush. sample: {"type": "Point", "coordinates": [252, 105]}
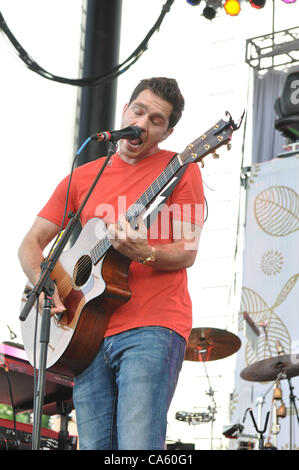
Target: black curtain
{"type": "Point", "coordinates": [267, 142]}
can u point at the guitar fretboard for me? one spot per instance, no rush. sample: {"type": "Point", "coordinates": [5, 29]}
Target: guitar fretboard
{"type": "Point", "coordinates": [138, 207]}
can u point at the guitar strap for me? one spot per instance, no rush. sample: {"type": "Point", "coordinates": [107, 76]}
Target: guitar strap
{"type": "Point", "coordinates": [157, 205]}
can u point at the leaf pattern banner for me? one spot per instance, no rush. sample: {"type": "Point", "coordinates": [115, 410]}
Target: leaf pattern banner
{"type": "Point", "coordinates": [270, 299]}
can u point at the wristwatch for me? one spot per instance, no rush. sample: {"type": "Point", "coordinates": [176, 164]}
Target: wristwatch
{"type": "Point", "coordinates": [151, 258]}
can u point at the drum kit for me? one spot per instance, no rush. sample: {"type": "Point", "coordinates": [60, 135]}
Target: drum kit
{"type": "Point", "coordinates": [274, 369]}
{"type": "Point", "coordinates": [210, 344]}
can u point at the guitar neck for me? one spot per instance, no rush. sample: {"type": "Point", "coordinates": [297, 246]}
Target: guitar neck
{"type": "Point", "coordinates": [142, 202]}
{"type": "Point", "coordinates": [146, 198]}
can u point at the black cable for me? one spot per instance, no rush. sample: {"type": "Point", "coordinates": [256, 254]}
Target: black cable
{"type": "Point", "coordinates": [45, 261]}
{"type": "Point", "coordinates": [88, 81]}
{"type": "Point", "coordinates": [207, 209]}
{"type": "Point", "coordinates": [5, 368]}
{"type": "Point", "coordinates": [65, 209]}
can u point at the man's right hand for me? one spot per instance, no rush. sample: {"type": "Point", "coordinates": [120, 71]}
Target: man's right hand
{"type": "Point", "coordinates": [57, 306]}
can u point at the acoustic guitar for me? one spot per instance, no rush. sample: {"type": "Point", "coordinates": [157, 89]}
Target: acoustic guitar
{"type": "Point", "coordinates": [92, 277]}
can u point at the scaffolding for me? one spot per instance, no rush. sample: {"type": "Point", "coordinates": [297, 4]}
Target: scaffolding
{"type": "Point", "coordinates": [275, 50]}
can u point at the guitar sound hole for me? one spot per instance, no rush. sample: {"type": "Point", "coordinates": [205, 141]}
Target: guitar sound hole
{"type": "Point", "coordinates": [82, 270]}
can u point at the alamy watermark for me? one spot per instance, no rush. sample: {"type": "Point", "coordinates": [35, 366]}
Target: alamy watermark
{"type": "Point", "coordinates": [145, 222]}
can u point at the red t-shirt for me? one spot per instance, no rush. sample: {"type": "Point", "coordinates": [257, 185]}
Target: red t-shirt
{"type": "Point", "coordinates": [159, 298]}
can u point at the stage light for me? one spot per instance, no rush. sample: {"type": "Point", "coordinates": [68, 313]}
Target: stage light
{"type": "Point", "coordinates": [211, 8]}
{"type": "Point", "coordinates": [209, 12]}
{"type": "Point", "coordinates": [257, 3]}
{"type": "Point", "coordinates": [194, 2]}
{"type": "Point", "coordinates": [232, 7]}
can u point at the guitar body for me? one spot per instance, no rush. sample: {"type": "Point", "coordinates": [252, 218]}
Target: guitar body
{"type": "Point", "coordinates": [90, 292]}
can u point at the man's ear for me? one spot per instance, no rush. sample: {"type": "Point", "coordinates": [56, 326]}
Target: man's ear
{"type": "Point", "coordinates": [124, 108]}
{"type": "Point", "coordinates": [167, 133]}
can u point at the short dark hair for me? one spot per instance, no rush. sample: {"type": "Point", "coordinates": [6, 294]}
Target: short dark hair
{"type": "Point", "coordinates": [167, 89]}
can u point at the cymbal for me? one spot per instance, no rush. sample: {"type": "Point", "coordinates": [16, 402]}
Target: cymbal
{"type": "Point", "coordinates": [210, 344]}
{"type": "Point", "coordinates": [268, 369]}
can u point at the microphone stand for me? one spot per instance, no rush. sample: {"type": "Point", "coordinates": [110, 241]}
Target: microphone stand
{"type": "Point", "coordinates": [280, 351]}
{"type": "Point", "coordinates": [212, 409]}
{"type": "Point", "coordinates": [292, 403]}
{"type": "Point", "coordinates": [46, 285]}
{"type": "Point", "coordinates": [260, 432]}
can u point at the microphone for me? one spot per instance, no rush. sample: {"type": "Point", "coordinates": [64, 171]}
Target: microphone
{"type": "Point", "coordinates": [132, 132]}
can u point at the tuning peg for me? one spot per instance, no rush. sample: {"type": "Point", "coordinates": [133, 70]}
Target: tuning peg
{"type": "Point", "coordinates": [215, 155]}
{"type": "Point", "coordinates": [229, 146]}
{"type": "Point", "coordinates": [202, 164]}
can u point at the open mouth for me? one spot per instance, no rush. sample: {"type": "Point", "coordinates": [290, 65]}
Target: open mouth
{"type": "Point", "coordinates": [135, 142]}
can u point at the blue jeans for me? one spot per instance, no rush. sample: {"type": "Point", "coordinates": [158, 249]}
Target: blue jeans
{"type": "Point", "coordinates": [122, 398]}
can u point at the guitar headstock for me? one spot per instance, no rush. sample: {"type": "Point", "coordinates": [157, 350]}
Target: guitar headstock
{"type": "Point", "coordinates": [220, 134]}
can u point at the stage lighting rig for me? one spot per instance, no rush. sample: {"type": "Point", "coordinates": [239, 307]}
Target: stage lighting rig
{"type": "Point", "coordinates": [257, 3]}
{"type": "Point", "coordinates": [274, 50]}
{"type": "Point", "coordinates": [232, 7]}
{"type": "Point", "coordinates": [194, 3]}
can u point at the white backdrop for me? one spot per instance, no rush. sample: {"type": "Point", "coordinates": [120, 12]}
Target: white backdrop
{"type": "Point", "coordinates": [270, 291]}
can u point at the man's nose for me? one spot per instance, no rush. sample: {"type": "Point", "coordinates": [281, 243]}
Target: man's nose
{"type": "Point", "coordinates": [142, 122]}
